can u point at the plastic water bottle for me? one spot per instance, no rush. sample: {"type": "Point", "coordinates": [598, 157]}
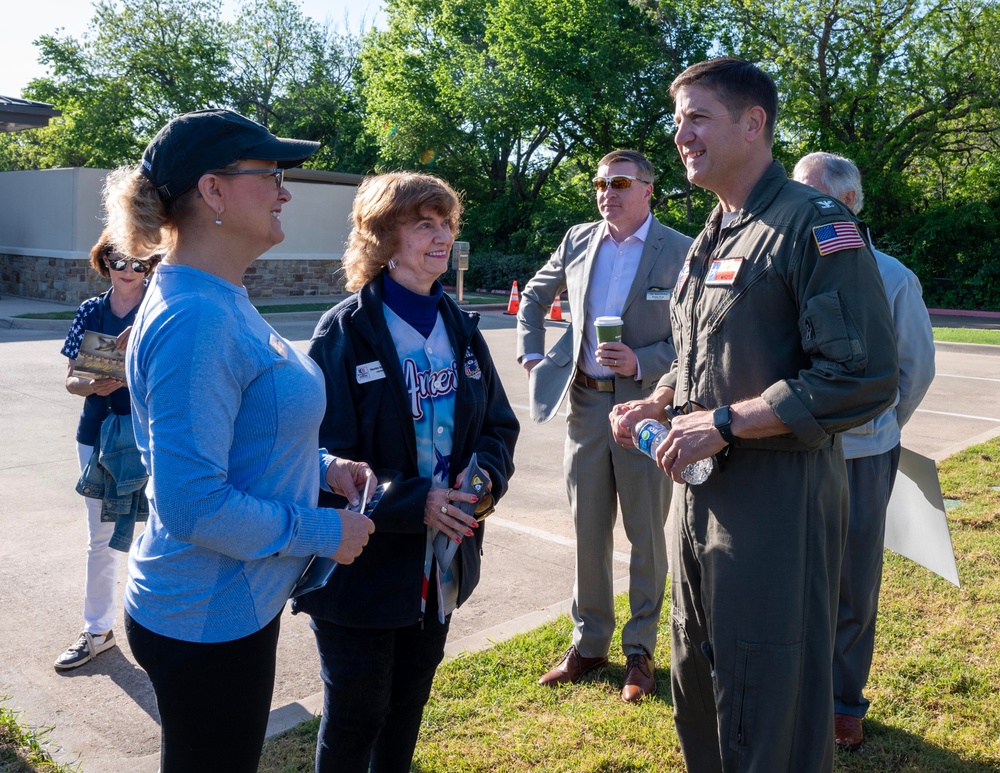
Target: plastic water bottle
{"type": "Point", "coordinates": [649, 434]}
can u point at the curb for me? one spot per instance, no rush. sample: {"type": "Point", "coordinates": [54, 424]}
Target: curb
{"type": "Point", "coordinates": [963, 313]}
{"type": "Point", "coordinates": [20, 323]}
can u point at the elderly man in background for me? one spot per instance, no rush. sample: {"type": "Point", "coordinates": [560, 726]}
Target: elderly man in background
{"type": "Point", "coordinates": [872, 453]}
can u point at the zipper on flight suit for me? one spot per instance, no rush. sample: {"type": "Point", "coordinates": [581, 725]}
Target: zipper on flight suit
{"type": "Point", "coordinates": [702, 256]}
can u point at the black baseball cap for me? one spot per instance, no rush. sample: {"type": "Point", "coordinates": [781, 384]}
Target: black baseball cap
{"type": "Point", "coordinates": [195, 143]}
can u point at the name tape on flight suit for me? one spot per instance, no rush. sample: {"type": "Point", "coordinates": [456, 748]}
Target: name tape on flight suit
{"type": "Point", "coordinates": [723, 272]}
{"type": "Point", "coordinates": [682, 276]}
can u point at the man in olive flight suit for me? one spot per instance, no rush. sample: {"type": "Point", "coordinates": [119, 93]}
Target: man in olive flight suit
{"type": "Point", "coordinates": [784, 333]}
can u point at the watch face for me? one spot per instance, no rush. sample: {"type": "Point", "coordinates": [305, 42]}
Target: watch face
{"type": "Point", "coordinates": [721, 418]}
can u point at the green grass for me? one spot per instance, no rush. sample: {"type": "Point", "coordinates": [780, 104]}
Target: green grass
{"type": "Point", "coordinates": [935, 684]}
{"type": "Point", "coordinates": [48, 315]}
{"type": "Point", "coordinates": [967, 335]}
{"type": "Point", "coordinates": [22, 750]}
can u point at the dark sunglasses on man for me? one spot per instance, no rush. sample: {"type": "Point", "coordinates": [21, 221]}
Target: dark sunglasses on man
{"type": "Point", "coordinates": [138, 266]}
{"type": "Point", "coordinates": [279, 174]}
{"type": "Point", "coordinates": [618, 182]}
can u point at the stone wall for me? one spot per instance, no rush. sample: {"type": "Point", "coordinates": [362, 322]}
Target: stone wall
{"type": "Point", "coordinates": [53, 279]}
{"type": "Point", "coordinates": [44, 250]}
{"type": "Point", "coordinates": [72, 281]}
{"type": "Point", "coordinates": [293, 278]}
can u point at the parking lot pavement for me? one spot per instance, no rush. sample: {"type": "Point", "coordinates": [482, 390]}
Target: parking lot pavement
{"type": "Point", "coordinates": [103, 713]}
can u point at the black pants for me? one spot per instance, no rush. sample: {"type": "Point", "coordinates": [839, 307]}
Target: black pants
{"type": "Point", "coordinates": [213, 699]}
{"type": "Point", "coordinates": [376, 681]}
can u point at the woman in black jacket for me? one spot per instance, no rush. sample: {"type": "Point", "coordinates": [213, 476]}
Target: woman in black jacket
{"type": "Point", "coordinates": [413, 392]}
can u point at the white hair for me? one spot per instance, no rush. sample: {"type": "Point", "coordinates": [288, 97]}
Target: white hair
{"type": "Point", "coordinates": [839, 176]}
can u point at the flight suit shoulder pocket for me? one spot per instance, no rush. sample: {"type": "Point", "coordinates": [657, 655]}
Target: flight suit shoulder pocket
{"type": "Point", "coordinates": [829, 333]}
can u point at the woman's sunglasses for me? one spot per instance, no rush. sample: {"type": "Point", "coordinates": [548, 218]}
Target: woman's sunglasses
{"type": "Point", "coordinates": [138, 266]}
{"type": "Point", "coordinates": [618, 182]}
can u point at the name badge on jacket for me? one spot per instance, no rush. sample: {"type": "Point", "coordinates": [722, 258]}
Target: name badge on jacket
{"type": "Point", "coordinates": [658, 294]}
{"type": "Point", "coordinates": [682, 276]}
{"type": "Point", "coordinates": [724, 272]}
{"type": "Point", "coordinates": [370, 371]}
{"type": "Point", "coordinates": [278, 345]}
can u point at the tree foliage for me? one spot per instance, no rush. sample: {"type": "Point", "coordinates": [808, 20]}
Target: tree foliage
{"type": "Point", "coordinates": [299, 79]}
{"type": "Point", "coordinates": [907, 88]}
{"type": "Point", "coordinates": [496, 94]}
{"type": "Point", "coordinates": [140, 63]}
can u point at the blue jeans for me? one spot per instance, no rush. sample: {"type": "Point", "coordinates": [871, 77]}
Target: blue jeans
{"type": "Point", "coordinates": [376, 682]}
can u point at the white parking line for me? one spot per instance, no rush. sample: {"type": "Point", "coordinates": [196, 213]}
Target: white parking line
{"type": "Point", "coordinates": [992, 419]}
{"type": "Point", "coordinates": [557, 539]}
{"type": "Point", "coordinates": [967, 378]}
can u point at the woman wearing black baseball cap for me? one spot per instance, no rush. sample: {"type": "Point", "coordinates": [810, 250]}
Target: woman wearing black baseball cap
{"type": "Point", "coordinates": [227, 416]}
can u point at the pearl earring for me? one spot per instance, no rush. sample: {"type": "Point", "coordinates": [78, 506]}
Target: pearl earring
{"type": "Point", "coordinates": [218, 219]}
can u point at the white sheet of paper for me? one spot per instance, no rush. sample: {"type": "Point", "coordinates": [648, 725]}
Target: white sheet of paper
{"type": "Point", "coordinates": [915, 523]}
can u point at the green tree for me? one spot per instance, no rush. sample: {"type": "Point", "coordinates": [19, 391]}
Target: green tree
{"type": "Point", "coordinates": [496, 94]}
{"type": "Point", "coordinates": [140, 63]}
{"type": "Point", "coordinates": [327, 105]}
{"type": "Point", "coordinates": [908, 88]}
{"type": "Point", "coordinates": [272, 46]}
{"type": "Point", "coordinates": [299, 79]}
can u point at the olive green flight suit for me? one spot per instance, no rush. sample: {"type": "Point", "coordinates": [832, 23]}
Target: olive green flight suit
{"type": "Point", "coordinates": [755, 551]}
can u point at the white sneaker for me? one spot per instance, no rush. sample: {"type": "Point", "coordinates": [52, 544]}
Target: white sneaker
{"type": "Point", "coordinates": [87, 647]}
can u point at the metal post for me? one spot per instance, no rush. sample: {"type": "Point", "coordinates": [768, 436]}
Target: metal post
{"type": "Point", "coordinates": [460, 262]}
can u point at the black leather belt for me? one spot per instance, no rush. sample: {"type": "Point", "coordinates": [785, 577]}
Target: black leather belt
{"type": "Point", "coordinates": [600, 384]}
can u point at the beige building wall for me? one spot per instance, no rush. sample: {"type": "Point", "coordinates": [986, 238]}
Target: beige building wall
{"type": "Point", "coordinates": [49, 220]}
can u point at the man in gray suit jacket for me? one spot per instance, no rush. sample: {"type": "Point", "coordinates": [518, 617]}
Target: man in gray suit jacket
{"type": "Point", "coordinates": [624, 265]}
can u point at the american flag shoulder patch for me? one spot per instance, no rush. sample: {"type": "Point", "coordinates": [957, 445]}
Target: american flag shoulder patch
{"type": "Point", "coordinates": [837, 236]}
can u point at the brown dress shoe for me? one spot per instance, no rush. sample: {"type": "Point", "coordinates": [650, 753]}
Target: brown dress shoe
{"type": "Point", "coordinates": [847, 732]}
{"type": "Point", "coordinates": [573, 666]}
{"type": "Point", "coordinates": [639, 681]}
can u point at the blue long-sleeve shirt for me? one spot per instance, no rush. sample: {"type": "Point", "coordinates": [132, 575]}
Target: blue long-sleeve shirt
{"type": "Point", "coordinates": [227, 417]}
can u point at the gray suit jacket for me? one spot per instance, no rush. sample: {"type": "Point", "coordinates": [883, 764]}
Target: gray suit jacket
{"type": "Point", "coordinates": [646, 315]}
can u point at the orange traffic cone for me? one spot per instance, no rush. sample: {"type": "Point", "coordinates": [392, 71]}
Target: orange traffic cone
{"type": "Point", "coordinates": [555, 313]}
{"type": "Point", "coordinates": [515, 300]}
